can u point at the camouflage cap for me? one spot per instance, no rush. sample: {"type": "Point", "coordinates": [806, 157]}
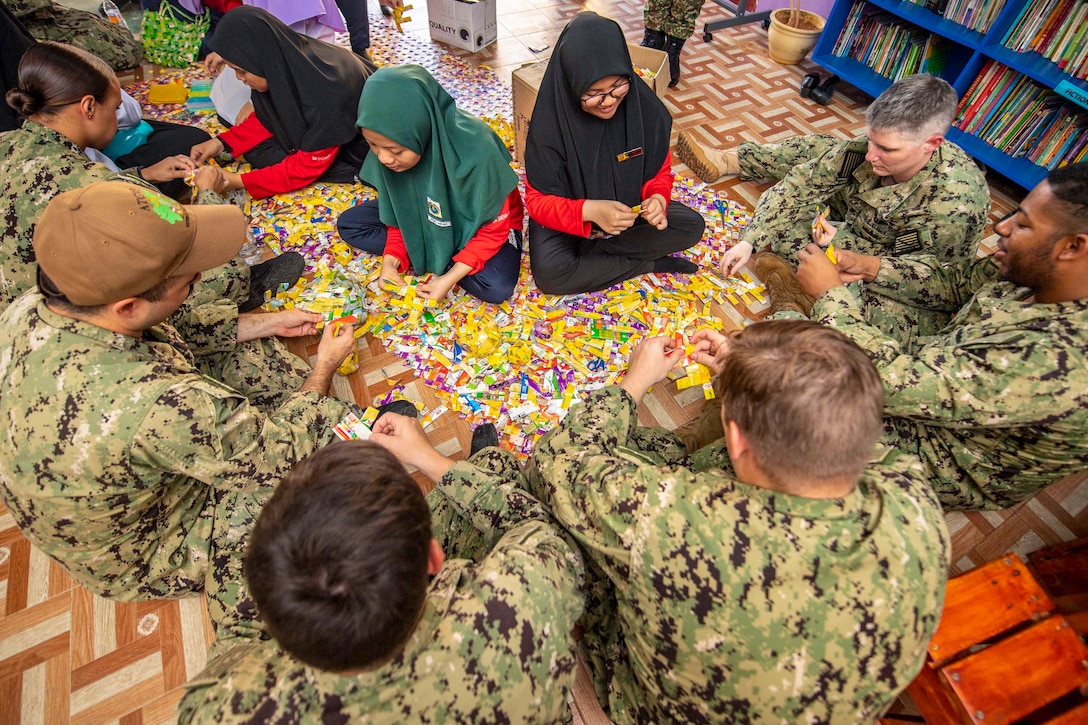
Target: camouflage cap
{"type": "Point", "coordinates": [112, 240]}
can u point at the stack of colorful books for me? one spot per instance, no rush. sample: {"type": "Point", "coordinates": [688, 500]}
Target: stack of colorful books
{"type": "Point", "coordinates": [1056, 30]}
{"type": "Point", "coordinates": [1022, 118]}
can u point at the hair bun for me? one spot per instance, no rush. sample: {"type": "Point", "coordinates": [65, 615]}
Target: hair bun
{"type": "Point", "coordinates": [25, 104]}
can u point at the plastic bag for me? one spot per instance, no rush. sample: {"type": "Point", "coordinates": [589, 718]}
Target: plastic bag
{"type": "Point", "coordinates": [172, 39]}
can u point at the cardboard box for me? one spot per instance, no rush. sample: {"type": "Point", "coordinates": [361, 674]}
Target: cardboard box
{"type": "Point", "coordinates": [525, 83]}
{"type": "Point", "coordinates": [468, 25]}
{"type": "Point", "coordinates": [657, 61]}
{"type": "Point", "coordinates": [526, 80]}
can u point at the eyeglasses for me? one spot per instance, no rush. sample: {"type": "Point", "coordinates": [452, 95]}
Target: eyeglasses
{"type": "Point", "coordinates": [618, 91]}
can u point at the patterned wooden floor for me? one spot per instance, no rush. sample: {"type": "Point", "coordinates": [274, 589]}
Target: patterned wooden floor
{"type": "Point", "coordinates": [68, 656]}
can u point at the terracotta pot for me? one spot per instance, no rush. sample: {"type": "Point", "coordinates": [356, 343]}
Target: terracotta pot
{"type": "Point", "coordinates": [790, 45]}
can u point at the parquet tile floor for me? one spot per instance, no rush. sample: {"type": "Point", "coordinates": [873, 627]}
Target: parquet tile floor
{"type": "Point", "coordinates": [67, 656]}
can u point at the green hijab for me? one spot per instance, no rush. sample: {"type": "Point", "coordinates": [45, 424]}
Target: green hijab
{"type": "Point", "coordinates": [463, 176]}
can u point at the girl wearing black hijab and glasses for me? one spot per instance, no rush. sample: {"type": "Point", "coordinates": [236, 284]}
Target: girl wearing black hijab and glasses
{"type": "Point", "coordinates": [598, 169]}
{"type": "Point", "coordinates": [305, 101]}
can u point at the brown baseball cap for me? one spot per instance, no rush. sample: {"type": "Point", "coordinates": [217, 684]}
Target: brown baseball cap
{"type": "Point", "coordinates": [113, 240]}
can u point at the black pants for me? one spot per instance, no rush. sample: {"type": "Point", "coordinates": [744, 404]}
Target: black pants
{"type": "Point", "coordinates": [167, 139]}
{"type": "Point", "coordinates": [565, 264]}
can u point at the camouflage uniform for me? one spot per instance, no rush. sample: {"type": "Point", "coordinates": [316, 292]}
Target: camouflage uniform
{"type": "Point", "coordinates": [673, 17]}
{"type": "Point", "coordinates": [941, 210]}
{"type": "Point", "coordinates": [736, 603]}
{"type": "Point", "coordinates": [36, 164]}
{"type": "Point", "coordinates": [493, 644]}
{"type": "Point", "coordinates": [996, 406]}
{"type": "Point", "coordinates": [136, 469]}
{"type": "Point", "coordinates": [112, 42]}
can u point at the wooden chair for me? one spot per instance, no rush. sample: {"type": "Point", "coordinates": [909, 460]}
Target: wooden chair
{"type": "Point", "coordinates": [1000, 654]}
{"type": "Point", "coordinates": [1062, 571]}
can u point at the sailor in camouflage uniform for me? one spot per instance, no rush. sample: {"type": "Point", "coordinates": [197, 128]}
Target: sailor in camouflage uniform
{"type": "Point", "coordinates": [38, 161]}
{"type": "Point", "coordinates": [996, 406]}
{"type": "Point", "coordinates": [669, 24]}
{"type": "Point", "coordinates": [47, 20]}
{"type": "Point", "coordinates": [121, 458]}
{"type": "Point", "coordinates": [900, 189]}
{"type": "Point", "coordinates": [772, 576]}
{"type": "Point", "coordinates": [486, 640]}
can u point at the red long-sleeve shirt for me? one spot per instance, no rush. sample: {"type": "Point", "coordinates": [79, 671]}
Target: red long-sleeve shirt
{"type": "Point", "coordinates": [222, 6]}
{"type": "Point", "coordinates": [478, 250]}
{"type": "Point", "coordinates": [565, 215]}
{"type": "Point", "coordinates": [299, 169]}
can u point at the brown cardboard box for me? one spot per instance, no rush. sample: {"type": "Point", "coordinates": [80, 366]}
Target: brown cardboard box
{"type": "Point", "coordinates": [526, 80]}
{"type": "Point", "coordinates": [658, 63]}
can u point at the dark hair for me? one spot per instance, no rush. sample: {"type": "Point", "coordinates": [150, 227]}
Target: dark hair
{"type": "Point", "coordinates": [337, 562]}
{"type": "Point", "coordinates": [54, 75]}
{"type": "Point", "coordinates": [809, 401]}
{"type": "Point", "coordinates": [1069, 184]}
{"type": "Point", "coordinates": [59, 300]}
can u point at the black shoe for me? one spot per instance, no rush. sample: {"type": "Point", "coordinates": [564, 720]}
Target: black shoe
{"type": "Point", "coordinates": [400, 407]}
{"type": "Point", "coordinates": [808, 83]}
{"type": "Point", "coordinates": [822, 93]}
{"type": "Point", "coordinates": [485, 435]}
{"type": "Point", "coordinates": [268, 276]}
{"type": "Point", "coordinates": [673, 46]}
{"type": "Point", "coordinates": [653, 39]}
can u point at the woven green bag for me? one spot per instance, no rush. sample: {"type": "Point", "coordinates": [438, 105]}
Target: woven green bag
{"type": "Point", "coordinates": [172, 39]}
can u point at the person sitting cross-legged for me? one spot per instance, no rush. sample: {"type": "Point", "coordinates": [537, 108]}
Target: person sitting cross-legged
{"type": "Point", "coordinates": [780, 574]}
{"type": "Point", "coordinates": [372, 622]}
{"type": "Point", "coordinates": [124, 455]}
{"type": "Point", "coordinates": [996, 404]}
{"type": "Point", "coordinates": [899, 189]}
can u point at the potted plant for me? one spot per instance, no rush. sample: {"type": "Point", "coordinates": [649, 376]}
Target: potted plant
{"type": "Point", "coordinates": [793, 33]}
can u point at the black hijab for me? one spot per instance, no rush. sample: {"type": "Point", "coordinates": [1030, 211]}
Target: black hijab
{"type": "Point", "coordinates": [571, 153]}
{"type": "Point", "coordinates": [15, 40]}
{"type": "Point", "coordinates": [313, 87]}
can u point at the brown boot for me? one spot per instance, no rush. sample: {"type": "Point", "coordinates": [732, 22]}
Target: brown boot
{"type": "Point", "coordinates": [782, 285]}
{"type": "Point", "coordinates": [708, 164]}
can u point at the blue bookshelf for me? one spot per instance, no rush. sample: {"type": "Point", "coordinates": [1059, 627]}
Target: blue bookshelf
{"type": "Point", "coordinates": [968, 52]}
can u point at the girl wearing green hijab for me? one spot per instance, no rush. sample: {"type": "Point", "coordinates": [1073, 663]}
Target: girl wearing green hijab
{"type": "Point", "coordinates": [448, 201]}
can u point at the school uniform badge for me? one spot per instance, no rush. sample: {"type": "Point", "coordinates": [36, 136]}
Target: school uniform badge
{"type": "Point", "coordinates": [434, 213]}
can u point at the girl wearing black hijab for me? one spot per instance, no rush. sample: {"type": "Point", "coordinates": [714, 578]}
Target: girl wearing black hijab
{"type": "Point", "coordinates": [597, 163]}
{"type": "Point", "coordinates": [15, 40]}
{"type": "Point", "coordinates": [305, 100]}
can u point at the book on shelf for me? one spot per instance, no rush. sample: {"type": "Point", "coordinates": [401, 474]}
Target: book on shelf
{"type": "Point", "coordinates": [1077, 130]}
{"type": "Point", "coordinates": [1040, 119]}
{"type": "Point", "coordinates": [849, 28]}
{"type": "Point", "coordinates": [978, 93]}
{"type": "Point", "coordinates": [891, 48]}
{"type": "Point", "coordinates": [977, 15]}
{"type": "Point", "coordinates": [1065, 45]}
{"type": "Point", "coordinates": [1028, 24]}
{"type": "Point", "coordinates": [1020, 92]}
{"type": "Point", "coordinates": [1052, 23]}
{"type": "Point", "coordinates": [1056, 30]}
{"type": "Point", "coordinates": [1006, 82]}
{"type": "Point", "coordinates": [1078, 152]}
{"type": "Point", "coordinates": [934, 56]}
{"type": "Point", "coordinates": [1018, 126]}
